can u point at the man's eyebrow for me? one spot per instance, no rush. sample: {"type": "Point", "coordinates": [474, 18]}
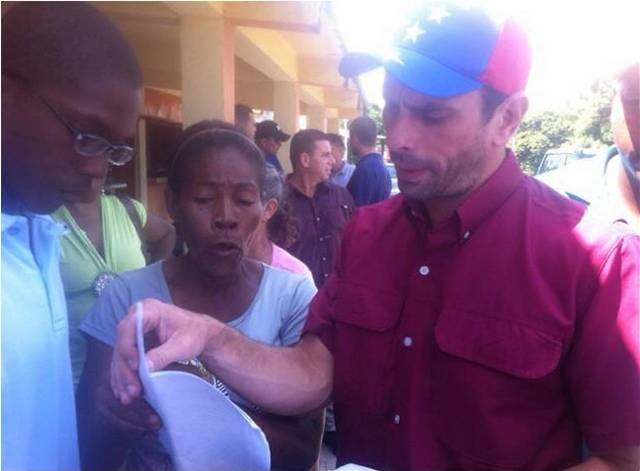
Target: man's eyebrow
{"type": "Point", "coordinates": [428, 106]}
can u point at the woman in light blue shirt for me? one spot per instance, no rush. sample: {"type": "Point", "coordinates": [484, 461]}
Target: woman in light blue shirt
{"type": "Point", "coordinates": [215, 182]}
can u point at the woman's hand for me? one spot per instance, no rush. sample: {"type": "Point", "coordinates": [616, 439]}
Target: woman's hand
{"type": "Point", "coordinates": [181, 334]}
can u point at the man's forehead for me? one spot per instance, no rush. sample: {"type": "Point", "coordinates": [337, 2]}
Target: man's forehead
{"type": "Point", "coordinates": [104, 106]}
{"type": "Point", "coordinates": [394, 90]}
{"type": "Point", "coordinates": [323, 144]}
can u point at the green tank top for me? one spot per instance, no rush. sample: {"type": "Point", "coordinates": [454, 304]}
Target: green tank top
{"type": "Point", "coordinates": [81, 263]}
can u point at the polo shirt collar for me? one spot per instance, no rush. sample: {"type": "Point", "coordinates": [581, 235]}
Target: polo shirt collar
{"type": "Point", "coordinates": [489, 196]}
{"type": "Point", "coordinates": [8, 220]}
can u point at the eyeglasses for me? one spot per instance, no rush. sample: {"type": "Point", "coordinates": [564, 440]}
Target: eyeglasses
{"type": "Point", "coordinates": [90, 145]}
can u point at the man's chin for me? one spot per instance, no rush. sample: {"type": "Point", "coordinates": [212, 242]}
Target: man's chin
{"type": "Point", "coordinates": [79, 197]}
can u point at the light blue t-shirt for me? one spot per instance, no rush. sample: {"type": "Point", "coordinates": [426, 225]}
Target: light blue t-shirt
{"type": "Point", "coordinates": [38, 407]}
{"type": "Point", "coordinates": [342, 177]}
{"type": "Point", "coordinates": [276, 316]}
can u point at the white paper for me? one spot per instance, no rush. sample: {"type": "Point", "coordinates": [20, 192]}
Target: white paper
{"type": "Point", "coordinates": [202, 428]}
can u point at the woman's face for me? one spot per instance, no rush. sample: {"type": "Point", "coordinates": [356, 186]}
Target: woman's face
{"type": "Point", "coordinates": [218, 209]}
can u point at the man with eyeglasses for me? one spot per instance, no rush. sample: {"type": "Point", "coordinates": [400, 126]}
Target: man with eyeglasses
{"type": "Point", "coordinates": [71, 94]}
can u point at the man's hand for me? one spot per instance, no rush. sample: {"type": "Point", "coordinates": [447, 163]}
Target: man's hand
{"type": "Point", "coordinates": [135, 417]}
{"type": "Point", "coordinates": [182, 335]}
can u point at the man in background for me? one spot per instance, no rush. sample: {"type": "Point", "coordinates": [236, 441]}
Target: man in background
{"type": "Point", "coordinates": [370, 182]}
{"type": "Point", "coordinates": [245, 121]}
{"type": "Point", "coordinates": [342, 169]}
{"type": "Point", "coordinates": [71, 94]}
{"type": "Point", "coordinates": [620, 196]}
{"type": "Point", "coordinates": [320, 209]}
{"type": "Point", "coordinates": [269, 138]}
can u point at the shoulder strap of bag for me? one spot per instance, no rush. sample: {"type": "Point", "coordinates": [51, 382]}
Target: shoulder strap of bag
{"type": "Point", "coordinates": [127, 202]}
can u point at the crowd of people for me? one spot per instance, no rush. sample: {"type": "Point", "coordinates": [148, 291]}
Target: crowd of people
{"type": "Point", "coordinates": [477, 320]}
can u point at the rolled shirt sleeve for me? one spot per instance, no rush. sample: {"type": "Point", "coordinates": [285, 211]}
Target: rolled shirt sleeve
{"type": "Point", "coordinates": [603, 366]}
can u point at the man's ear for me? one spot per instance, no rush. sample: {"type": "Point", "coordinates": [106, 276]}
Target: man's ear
{"type": "Point", "coordinates": [170, 202]}
{"type": "Point", "coordinates": [305, 160]}
{"type": "Point", "coordinates": [507, 118]}
{"type": "Point", "coordinates": [270, 208]}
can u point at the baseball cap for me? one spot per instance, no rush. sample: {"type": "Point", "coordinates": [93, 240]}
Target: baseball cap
{"type": "Point", "coordinates": [448, 48]}
{"type": "Point", "coordinates": [271, 129]}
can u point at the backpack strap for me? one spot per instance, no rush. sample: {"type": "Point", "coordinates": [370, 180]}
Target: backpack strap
{"type": "Point", "coordinates": [127, 202]}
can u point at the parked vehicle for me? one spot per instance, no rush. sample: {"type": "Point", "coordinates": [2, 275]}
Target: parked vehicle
{"type": "Point", "coordinates": [577, 175]}
{"type": "Point", "coordinates": [394, 178]}
{"type": "Point", "coordinates": [557, 158]}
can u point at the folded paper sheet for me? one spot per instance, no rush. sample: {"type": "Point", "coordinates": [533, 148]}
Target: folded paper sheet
{"type": "Point", "coordinates": [202, 428]}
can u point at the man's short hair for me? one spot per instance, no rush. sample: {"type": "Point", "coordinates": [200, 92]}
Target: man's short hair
{"type": "Point", "coordinates": [336, 140]}
{"type": "Point", "coordinates": [243, 113]}
{"type": "Point", "coordinates": [491, 99]}
{"type": "Point", "coordinates": [68, 44]}
{"type": "Point", "coordinates": [365, 129]}
{"type": "Point", "coordinates": [304, 141]}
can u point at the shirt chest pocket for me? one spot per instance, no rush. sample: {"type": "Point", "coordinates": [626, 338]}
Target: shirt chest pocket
{"type": "Point", "coordinates": [497, 389]}
{"type": "Point", "coordinates": [365, 347]}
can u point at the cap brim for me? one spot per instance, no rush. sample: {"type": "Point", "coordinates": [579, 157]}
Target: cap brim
{"type": "Point", "coordinates": [356, 63]}
{"type": "Point", "coordinates": [413, 70]}
{"type": "Point", "coordinates": [283, 136]}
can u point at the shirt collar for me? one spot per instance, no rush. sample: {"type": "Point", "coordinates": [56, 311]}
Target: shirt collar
{"type": "Point", "coordinates": [50, 226]}
{"type": "Point", "coordinates": [483, 201]}
{"type": "Point", "coordinates": [491, 194]}
{"type": "Point", "coordinates": [9, 220]}
{"type": "Point", "coordinates": [369, 156]}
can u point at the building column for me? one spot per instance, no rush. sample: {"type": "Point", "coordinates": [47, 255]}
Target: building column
{"type": "Point", "coordinates": [286, 112]}
{"type": "Point", "coordinates": [207, 67]}
{"type": "Point", "coordinates": [333, 125]}
{"type": "Point", "coordinates": [317, 118]}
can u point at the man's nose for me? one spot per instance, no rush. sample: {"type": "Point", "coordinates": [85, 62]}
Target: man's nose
{"type": "Point", "coordinates": [94, 167]}
{"type": "Point", "coordinates": [401, 133]}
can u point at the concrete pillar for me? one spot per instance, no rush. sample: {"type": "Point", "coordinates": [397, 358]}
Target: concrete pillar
{"type": "Point", "coordinates": [286, 110]}
{"type": "Point", "coordinates": [317, 118]}
{"type": "Point", "coordinates": [207, 69]}
{"type": "Point", "coordinates": [333, 125]}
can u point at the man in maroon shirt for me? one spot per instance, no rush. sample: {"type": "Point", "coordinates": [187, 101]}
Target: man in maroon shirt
{"type": "Point", "coordinates": [477, 320]}
{"type": "Point", "coordinates": [320, 209]}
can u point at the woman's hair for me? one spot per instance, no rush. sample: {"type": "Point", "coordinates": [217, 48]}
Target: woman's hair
{"type": "Point", "coordinates": [280, 228]}
{"type": "Point", "coordinates": [212, 135]}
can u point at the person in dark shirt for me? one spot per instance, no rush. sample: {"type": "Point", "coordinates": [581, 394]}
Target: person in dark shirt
{"type": "Point", "coordinates": [319, 208]}
{"type": "Point", "coordinates": [269, 138]}
{"type": "Point", "coordinates": [370, 182]}
{"type": "Point", "coordinates": [245, 120]}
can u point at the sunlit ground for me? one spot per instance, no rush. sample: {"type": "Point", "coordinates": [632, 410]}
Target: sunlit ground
{"type": "Point", "coordinates": [574, 42]}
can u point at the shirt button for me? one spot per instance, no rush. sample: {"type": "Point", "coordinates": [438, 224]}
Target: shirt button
{"type": "Point", "coordinates": [407, 341]}
{"type": "Point", "coordinates": [326, 275]}
{"type": "Point", "coordinates": [423, 270]}
{"type": "Point", "coordinates": [466, 235]}
{"type": "Point", "coordinates": [324, 259]}
{"type": "Point", "coordinates": [396, 419]}
{"type": "Point", "coordinates": [318, 219]}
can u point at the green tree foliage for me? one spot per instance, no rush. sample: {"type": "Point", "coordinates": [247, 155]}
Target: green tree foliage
{"type": "Point", "coordinates": [375, 112]}
{"type": "Point", "coordinates": [583, 125]}
{"type": "Point", "coordinates": [540, 132]}
{"type": "Point", "coordinates": [593, 126]}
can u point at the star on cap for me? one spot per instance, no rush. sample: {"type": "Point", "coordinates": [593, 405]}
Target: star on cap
{"type": "Point", "coordinates": [438, 13]}
{"type": "Point", "coordinates": [414, 32]}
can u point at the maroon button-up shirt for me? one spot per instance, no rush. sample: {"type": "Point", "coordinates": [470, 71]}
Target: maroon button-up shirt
{"type": "Point", "coordinates": [319, 222]}
{"type": "Point", "coordinates": [500, 340]}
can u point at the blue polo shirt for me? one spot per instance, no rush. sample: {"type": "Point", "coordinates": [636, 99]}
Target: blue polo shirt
{"type": "Point", "coordinates": [370, 182]}
{"type": "Point", "coordinates": [38, 408]}
{"type": "Point", "coordinates": [273, 160]}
